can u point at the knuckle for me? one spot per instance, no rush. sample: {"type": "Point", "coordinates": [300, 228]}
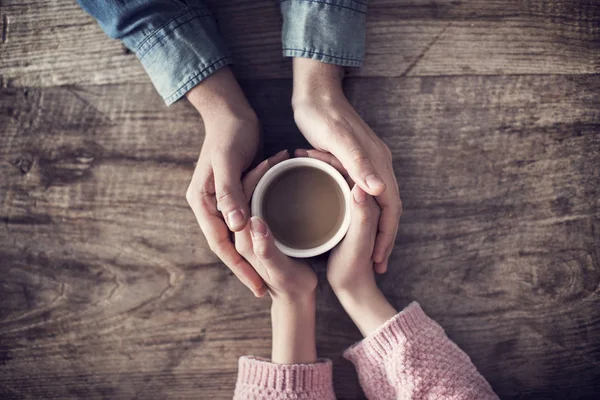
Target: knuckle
{"type": "Point", "coordinates": [365, 217]}
{"type": "Point", "coordinates": [358, 156]}
{"type": "Point", "coordinates": [212, 247]}
{"type": "Point", "coordinates": [217, 246]}
{"type": "Point", "coordinates": [190, 195]}
{"type": "Point", "coordinates": [261, 251]}
{"type": "Point", "coordinates": [224, 194]}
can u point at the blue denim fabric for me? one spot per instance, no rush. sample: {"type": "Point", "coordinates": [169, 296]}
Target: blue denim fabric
{"type": "Point", "coordinates": [331, 31]}
{"type": "Point", "coordinates": [178, 43]}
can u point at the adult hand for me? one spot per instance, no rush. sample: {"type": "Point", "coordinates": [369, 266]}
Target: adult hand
{"type": "Point", "coordinates": [331, 124]}
{"type": "Point", "coordinates": [215, 193]}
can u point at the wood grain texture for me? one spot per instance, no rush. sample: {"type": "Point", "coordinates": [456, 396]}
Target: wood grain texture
{"type": "Point", "coordinates": [108, 290]}
{"type": "Point", "coordinates": [55, 43]}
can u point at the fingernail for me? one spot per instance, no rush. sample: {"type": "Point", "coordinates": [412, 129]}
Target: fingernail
{"type": "Point", "coordinates": [235, 219]}
{"type": "Point", "coordinates": [301, 153]}
{"type": "Point", "coordinates": [373, 181]}
{"type": "Point", "coordinates": [359, 195]}
{"type": "Point", "coordinates": [257, 228]}
{"type": "Point", "coordinates": [282, 152]}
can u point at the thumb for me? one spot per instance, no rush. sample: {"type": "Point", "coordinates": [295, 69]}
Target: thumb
{"type": "Point", "coordinates": [229, 193]}
{"type": "Point", "coordinates": [263, 244]}
{"type": "Point", "coordinates": [360, 168]}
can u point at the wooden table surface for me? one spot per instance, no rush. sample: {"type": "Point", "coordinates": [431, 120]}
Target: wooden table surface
{"type": "Point", "coordinates": [490, 108]}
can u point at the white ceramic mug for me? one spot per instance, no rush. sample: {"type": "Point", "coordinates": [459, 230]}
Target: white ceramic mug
{"type": "Point", "coordinates": [277, 170]}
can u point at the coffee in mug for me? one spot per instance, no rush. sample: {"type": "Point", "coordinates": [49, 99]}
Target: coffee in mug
{"type": "Point", "coordinates": [305, 202]}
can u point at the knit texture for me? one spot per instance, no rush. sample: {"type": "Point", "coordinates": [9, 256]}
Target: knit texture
{"type": "Point", "coordinates": [260, 379]}
{"type": "Point", "coordinates": [410, 357]}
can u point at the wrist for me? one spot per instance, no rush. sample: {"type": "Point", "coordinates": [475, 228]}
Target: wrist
{"type": "Point", "coordinates": [294, 302]}
{"type": "Point", "coordinates": [220, 96]}
{"type": "Point", "coordinates": [367, 306]}
{"type": "Point", "coordinates": [316, 80]}
{"type": "Point", "coordinates": [293, 321]}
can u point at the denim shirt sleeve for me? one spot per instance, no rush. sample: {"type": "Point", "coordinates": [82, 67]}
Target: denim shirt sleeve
{"type": "Point", "coordinates": [331, 31]}
{"type": "Point", "coordinates": [176, 41]}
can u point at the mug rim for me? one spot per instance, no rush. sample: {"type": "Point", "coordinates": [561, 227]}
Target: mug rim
{"type": "Point", "coordinates": [277, 170]}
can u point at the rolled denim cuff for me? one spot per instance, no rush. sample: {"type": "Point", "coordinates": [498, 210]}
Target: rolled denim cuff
{"type": "Point", "coordinates": [331, 31]}
{"type": "Point", "coordinates": [181, 53]}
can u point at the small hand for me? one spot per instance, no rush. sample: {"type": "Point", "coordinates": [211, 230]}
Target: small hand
{"type": "Point", "coordinates": [350, 267]}
{"type": "Point", "coordinates": [215, 193]}
{"type": "Point", "coordinates": [331, 124]}
{"type": "Point", "coordinates": [284, 276]}
{"type": "Point", "coordinates": [290, 282]}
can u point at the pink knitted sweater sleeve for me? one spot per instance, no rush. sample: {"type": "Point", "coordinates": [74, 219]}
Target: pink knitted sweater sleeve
{"type": "Point", "coordinates": [410, 357]}
{"type": "Point", "coordinates": [259, 379]}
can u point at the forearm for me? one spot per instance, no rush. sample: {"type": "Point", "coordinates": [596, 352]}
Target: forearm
{"type": "Point", "coordinates": [293, 322]}
{"type": "Point", "coordinates": [178, 44]}
{"type": "Point", "coordinates": [403, 349]}
{"type": "Point", "coordinates": [331, 31]}
{"type": "Point", "coordinates": [315, 79]}
{"type": "Point", "coordinates": [220, 94]}
{"type": "Point", "coordinates": [401, 359]}
{"type": "Point", "coordinates": [366, 305]}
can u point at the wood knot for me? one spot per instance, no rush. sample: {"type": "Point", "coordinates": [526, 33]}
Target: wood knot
{"type": "Point", "coordinates": [24, 163]}
{"type": "Point", "coordinates": [4, 31]}
{"type": "Point", "coordinates": [66, 165]}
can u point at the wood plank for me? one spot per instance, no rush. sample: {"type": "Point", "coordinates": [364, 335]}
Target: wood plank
{"type": "Point", "coordinates": [56, 43]}
{"type": "Point", "coordinates": [108, 289]}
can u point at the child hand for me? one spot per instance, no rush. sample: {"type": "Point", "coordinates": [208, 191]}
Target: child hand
{"type": "Point", "coordinates": [350, 265]}
{"type": "Point", "coordinates": [350, 268]}
{"type": "Point", "coordinates": [284, 276]}
{"type": "Point", "coordinates": [290, 282]}
{"type": "Point", "coordinates": [215, 193]}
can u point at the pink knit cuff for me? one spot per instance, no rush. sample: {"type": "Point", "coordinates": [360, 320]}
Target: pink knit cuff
{"type": "Point", "coordinates": [407, 325]}
{"type": "Point", "coordinates": [311, 379]}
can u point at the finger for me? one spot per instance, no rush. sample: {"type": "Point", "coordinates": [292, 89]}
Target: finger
{"type": "Point", "coordinates": [388, 229]}
{"type": "Point", "coordinates": [325, 157]}
{"type": "Point", "coordinates": [243, 245]}
{"type": "Point", "coordinates": [203, 204]}
{"type": "Point", "coordinates": [217, 235]}
{"type": "Point", "coordinates": [251, 179]}
{"type": "Point", "coordinates": [361, 234]}
{"type": "Point", "coordinates": [201, 198]}
{"type": "Point", "coordinates": [264, 247]}
{"type": "Point", "coordinates": [229, 193]}
{"type": "Point", "coordinates": [381, 268]}
{"type": "Point", "coordinates": [300, 153]}
{"type": "Point", "coordinates": [359, 166]}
